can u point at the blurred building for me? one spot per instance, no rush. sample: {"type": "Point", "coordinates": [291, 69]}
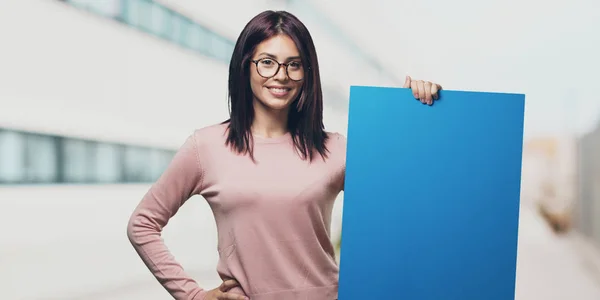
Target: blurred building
{"type": "Point", "coordinates": [587, 211]}
{"type": "Point", "coordinates": [96, 97]}
{"type": "Point", "coordinates": [549, 178]}
{"type": "Point", "coordinates": [561, 176]}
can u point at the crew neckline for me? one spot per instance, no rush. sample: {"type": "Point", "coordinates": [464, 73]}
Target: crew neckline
{"type": "Point", "coordinates": [272, 140]}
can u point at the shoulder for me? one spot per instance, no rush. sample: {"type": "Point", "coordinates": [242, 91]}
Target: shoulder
{"type": "Point", "coordinates": [337, 140]}
{"type": "Point", "coordinates": [206, 140]}
{"type": "Point", "coordinates": [214, 134]}
{"type": "Point", "coordinates": [206, 143]}
{"type": "Point", "coordinates": [336, 144]}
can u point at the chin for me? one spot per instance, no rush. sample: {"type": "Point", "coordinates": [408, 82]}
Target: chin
{"type": "Point", "coordinates": [277, 104]}
{"type": "Point", "coordinates": [279, 107]}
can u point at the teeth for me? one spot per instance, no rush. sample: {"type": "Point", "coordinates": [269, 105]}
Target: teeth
{"type": "Point", "coordinates": [278, 90]}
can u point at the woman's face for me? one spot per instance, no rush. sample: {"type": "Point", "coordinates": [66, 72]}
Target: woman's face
{"type": "Point", "coordinates": [276, 92]}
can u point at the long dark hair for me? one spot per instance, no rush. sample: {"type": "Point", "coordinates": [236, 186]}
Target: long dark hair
{"type": "Point", "coordinates": [305, 120]}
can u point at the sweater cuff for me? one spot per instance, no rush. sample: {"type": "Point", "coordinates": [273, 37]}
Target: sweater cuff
{"type": "Point", "coordinates": [200, 295]}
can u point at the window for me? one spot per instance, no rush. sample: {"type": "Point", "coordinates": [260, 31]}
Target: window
{"type": "Point", "coordinates": [12, 157]}
{"type": "Point", "coordinates": [41, 158]}
{"type": "Point", "coordinates": [159, 20]}
{"type": "Point", "coordinates": [107, 163]}
{"type": "Point", "coordinates": [131, 13]}
{"type": "Point", "coordinates": [137, 165]}
{"type": "Point", "coordinates": [159, 161]}
{"type": "Point", "coordinates": [78, 160]}
{"type": "Point", "coordinates": [179, 30]}
{"type": "Point", "coordinates": [205, 38]}
{"type": "Point", "coordinates": [221, 48]}
{"type": "Point", "coordinates": [29, 158]}
{"type": "Point", "coordinates": [106, 8]}
{"type": "Point", "coordinates": [193, 37]}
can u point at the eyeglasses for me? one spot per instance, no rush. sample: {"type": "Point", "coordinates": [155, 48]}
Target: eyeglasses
{"type": "Point", "coordinates": [267, 68]}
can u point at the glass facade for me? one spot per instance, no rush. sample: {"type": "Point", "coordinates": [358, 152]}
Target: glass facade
{"type": "Point", "coordinates": [31, 158]}
{"type": "Point", "coordinates": [158, 20]}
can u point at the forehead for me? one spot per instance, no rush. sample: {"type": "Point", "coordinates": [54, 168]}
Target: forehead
{"type": "Point", "coordinates": [280, 46]}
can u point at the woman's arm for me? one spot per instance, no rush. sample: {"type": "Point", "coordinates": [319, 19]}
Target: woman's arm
{"type": "Point", "coordinates": [181, 180]}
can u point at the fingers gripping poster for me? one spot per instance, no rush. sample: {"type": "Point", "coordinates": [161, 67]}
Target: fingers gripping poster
{"type": "Point", "coordinates": [431, 200]}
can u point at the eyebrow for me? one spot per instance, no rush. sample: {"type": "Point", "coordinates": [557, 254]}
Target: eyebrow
{"type": "Point", "coordinates": [275, 57]}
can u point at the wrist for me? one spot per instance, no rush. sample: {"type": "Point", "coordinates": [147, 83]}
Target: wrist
{"type": "Point", "coordinates": [201, 295]}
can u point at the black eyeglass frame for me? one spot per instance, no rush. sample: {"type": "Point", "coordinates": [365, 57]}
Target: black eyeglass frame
{"type": "Point", "coordinates": [256, 61]}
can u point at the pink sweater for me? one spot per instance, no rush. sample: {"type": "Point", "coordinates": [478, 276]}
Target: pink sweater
{"type": "Point", "coordinates": [273, 217]}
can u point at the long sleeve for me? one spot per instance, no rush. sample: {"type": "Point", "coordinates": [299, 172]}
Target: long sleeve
{"type": "Point", "coordinates": [181, 180]}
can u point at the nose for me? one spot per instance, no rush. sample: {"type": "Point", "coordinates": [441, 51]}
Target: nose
{"type": "Point", "coordinates": [281, 73]}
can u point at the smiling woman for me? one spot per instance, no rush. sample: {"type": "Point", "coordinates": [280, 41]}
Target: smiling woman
{"type": "Point", "coordinates": [276, 54]}
{"type": "Point", "coordinates": [271, 174]}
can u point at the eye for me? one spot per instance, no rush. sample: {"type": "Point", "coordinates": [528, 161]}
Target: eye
{"type": "Point", "coordinates": [295, 65]}
{"type": "Point", "coordinates": [267, 62]}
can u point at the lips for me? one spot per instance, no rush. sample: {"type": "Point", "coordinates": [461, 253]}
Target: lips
{"type": "Point", "coordinates": [279, 88]}
{"type": "Point", "coordinates": [279, 91]}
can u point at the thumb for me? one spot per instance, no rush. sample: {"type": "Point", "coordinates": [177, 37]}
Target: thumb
{"type": "Point", "coordinates": [407, 82]}
{"type": "Point", "coordinates": [227, 285]}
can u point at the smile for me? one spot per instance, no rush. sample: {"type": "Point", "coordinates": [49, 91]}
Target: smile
{"type": "Point", "coordinates": [278, 92]}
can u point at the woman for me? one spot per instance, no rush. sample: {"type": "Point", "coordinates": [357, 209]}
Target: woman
{"type": "Point", "coordinates": [270, 174]}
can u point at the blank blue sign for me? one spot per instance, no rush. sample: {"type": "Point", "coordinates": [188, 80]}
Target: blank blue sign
{"type": "Point", "coordinates": [431, 201]}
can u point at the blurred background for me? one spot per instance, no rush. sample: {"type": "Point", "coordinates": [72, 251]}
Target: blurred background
{"type": "Point", "coordinates": [97, 95]}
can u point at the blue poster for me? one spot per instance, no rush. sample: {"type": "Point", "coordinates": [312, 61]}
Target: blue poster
{"type": "Point", "coordinates": [431, 200]}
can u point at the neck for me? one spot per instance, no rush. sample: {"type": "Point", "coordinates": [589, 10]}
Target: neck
{"type": "Point", "coordinates": [269, 123]}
